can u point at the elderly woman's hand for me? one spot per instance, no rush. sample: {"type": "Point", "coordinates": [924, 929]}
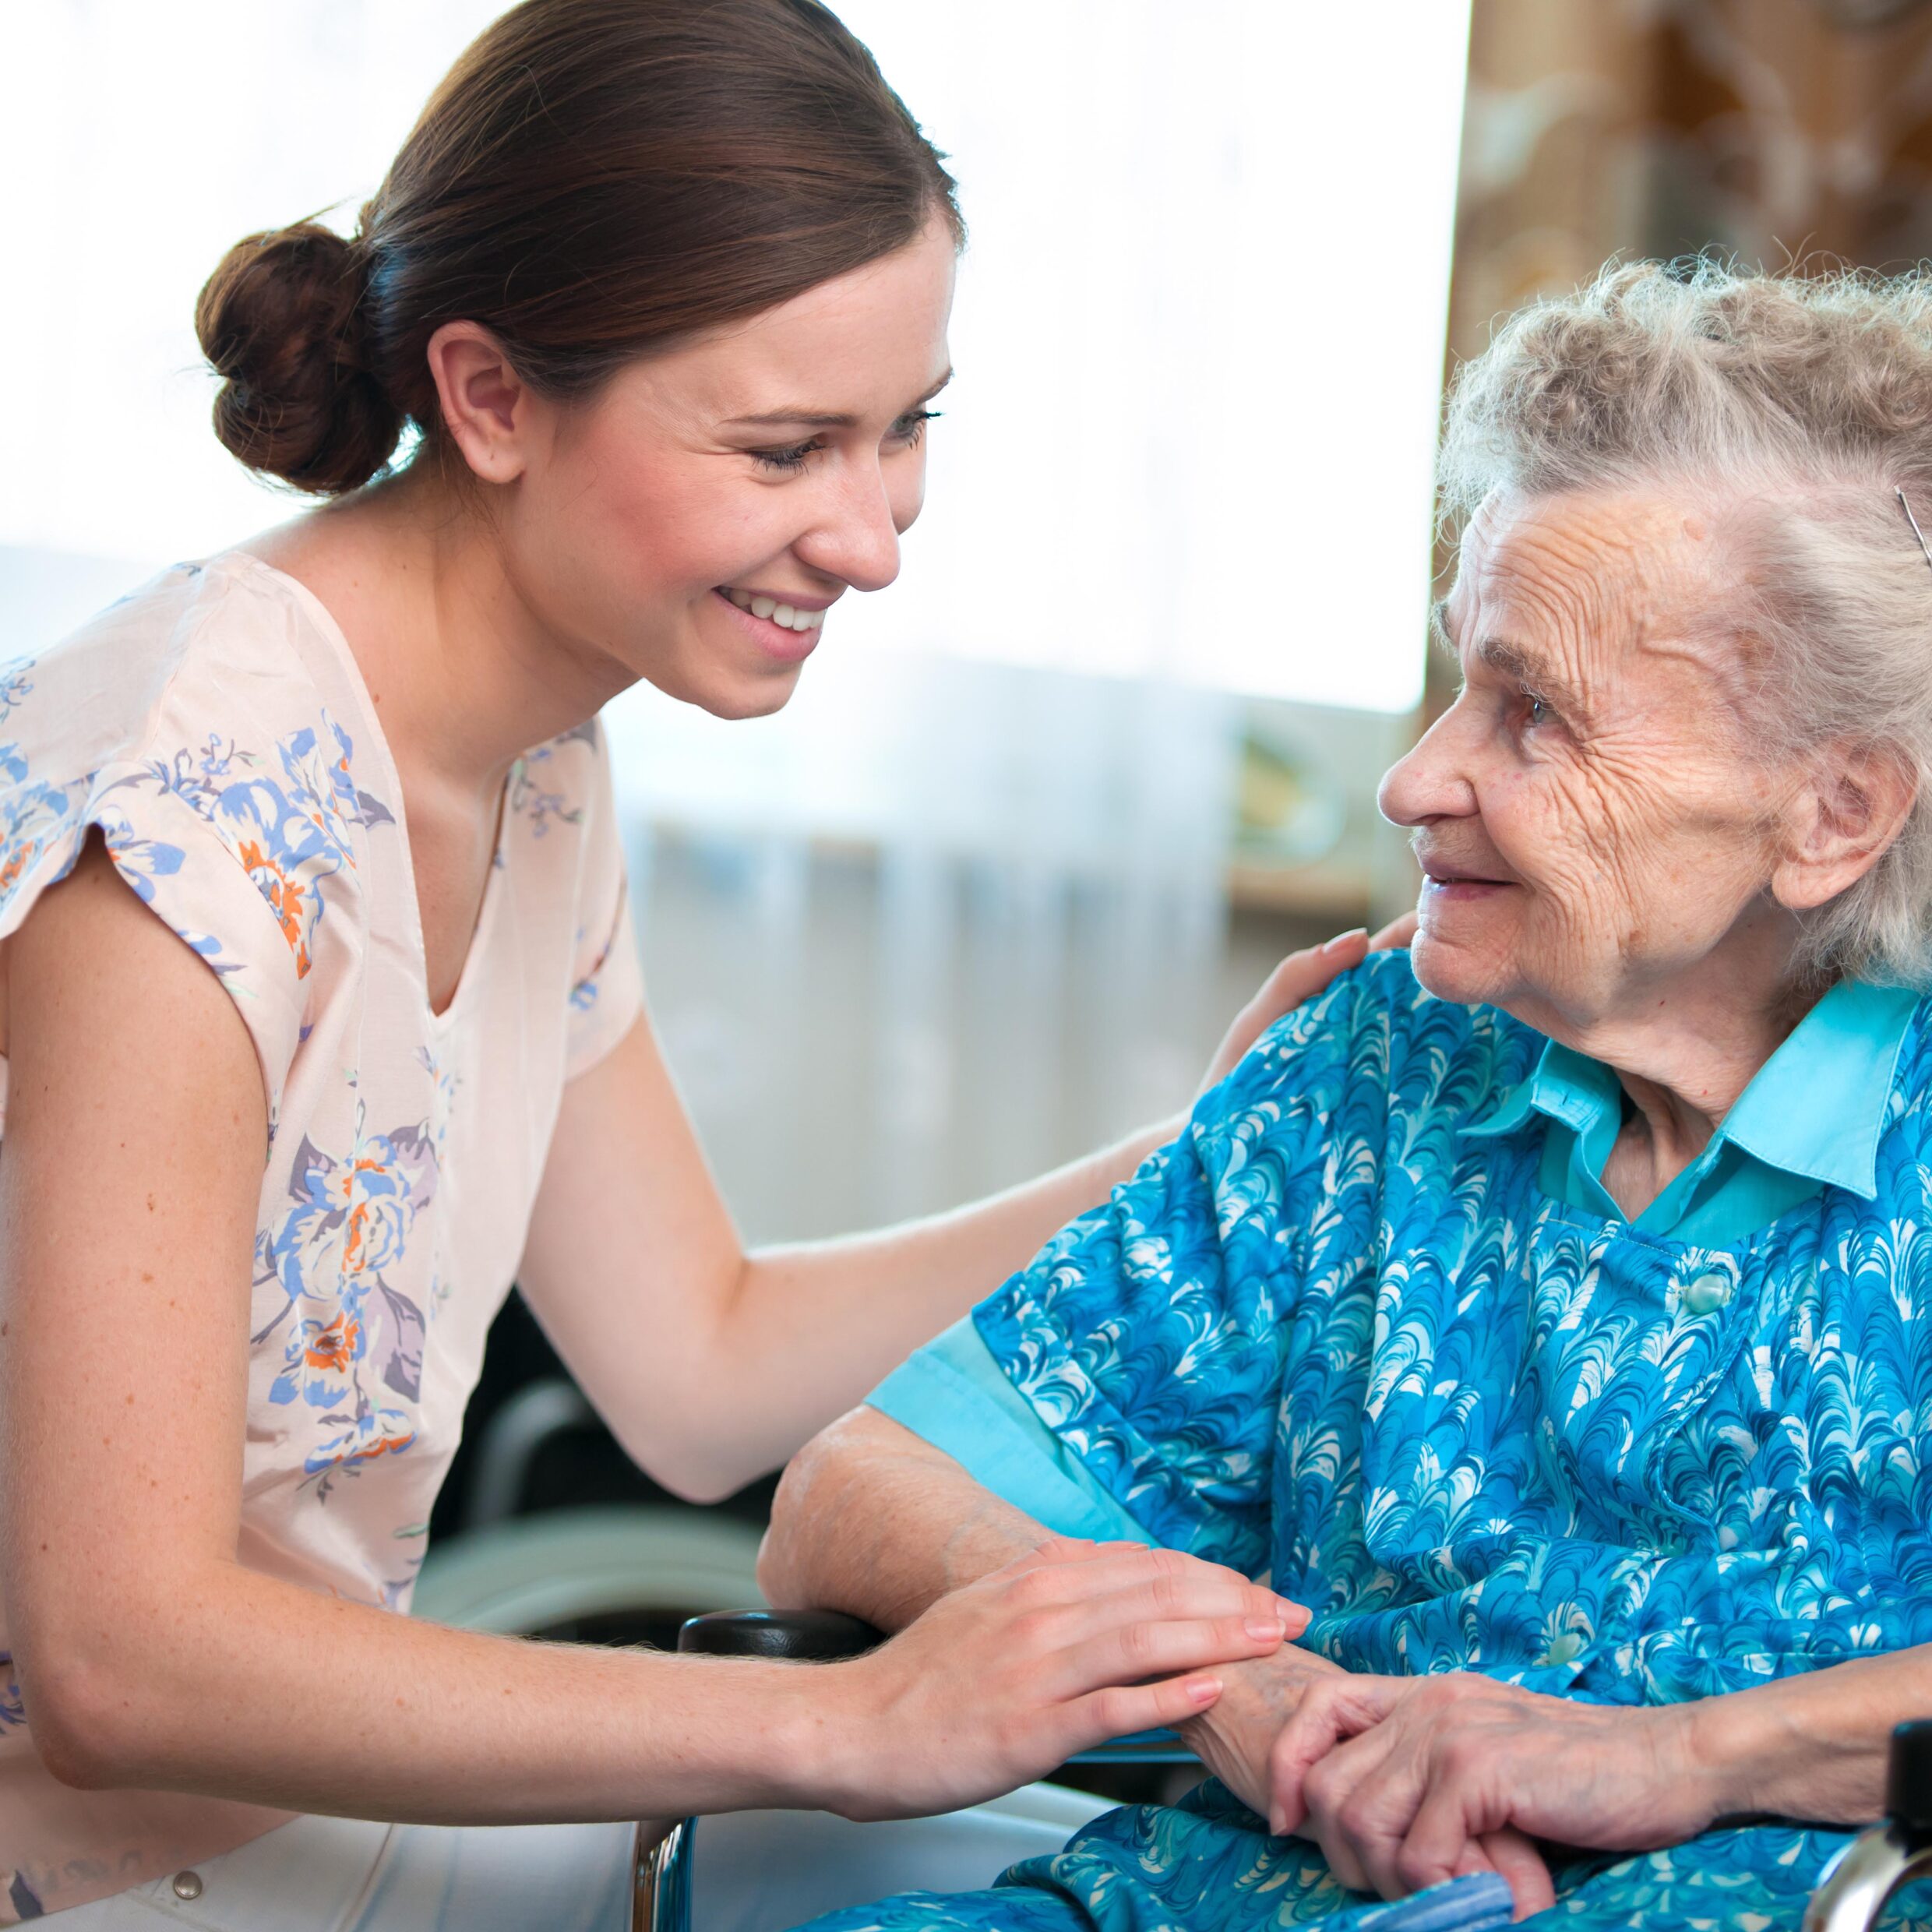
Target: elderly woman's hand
{"type": "Point", "coordinates": [1299, 977]}
{"type": "Point", "coordinates": [1405, 1782]}
{"type": "Point", "coordinates": [1236, 1739]}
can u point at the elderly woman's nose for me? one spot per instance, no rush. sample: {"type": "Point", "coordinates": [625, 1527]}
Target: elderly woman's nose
{"type": "Point", "coordinates": [1427, 783]}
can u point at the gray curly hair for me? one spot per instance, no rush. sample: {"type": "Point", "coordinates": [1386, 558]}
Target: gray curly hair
{"type": "Point", "coordinates": [1806, 402]}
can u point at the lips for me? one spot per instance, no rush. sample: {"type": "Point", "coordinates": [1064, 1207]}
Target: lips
{"type": "Point", "coordinates": [1445, 882]}
{"type": "Point", "coordinates": [784, 644]}
{"type": "Point", "coordinates": [794, 614]}
{"type": "Point", "coordinates": [1440, 869]}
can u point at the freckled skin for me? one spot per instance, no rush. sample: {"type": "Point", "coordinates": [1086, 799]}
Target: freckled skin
{"type": "Point", "coordinates": [1601, 764]}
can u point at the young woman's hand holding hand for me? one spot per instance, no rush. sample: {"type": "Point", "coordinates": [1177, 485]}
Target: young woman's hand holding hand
{"type": "Point", "coordinates": [1064, 1648]}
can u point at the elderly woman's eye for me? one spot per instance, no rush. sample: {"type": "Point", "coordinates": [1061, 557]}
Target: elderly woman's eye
{"type": "Point", "coordinates": [1535, 709]}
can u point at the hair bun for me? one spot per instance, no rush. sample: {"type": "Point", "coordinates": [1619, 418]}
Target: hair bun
{"type": "Point", "coordinates": [280, 321]}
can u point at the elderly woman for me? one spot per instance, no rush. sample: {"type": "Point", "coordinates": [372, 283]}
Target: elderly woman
{"type": "Point", "coordinates": [1549, 1310]}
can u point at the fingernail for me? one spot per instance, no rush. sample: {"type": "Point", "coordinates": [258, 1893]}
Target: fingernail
{"type": "Point", "coordinates": [1204, 1689]}
{"type": "Point", "coordinates": [1266, 1630]}
{"type": "Point", "coordinates": [1277, 1824]}
{"type": "Point", "coordinates": [1343, 938]}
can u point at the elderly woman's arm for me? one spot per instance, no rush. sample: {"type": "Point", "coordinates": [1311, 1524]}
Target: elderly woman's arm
{"type": "Point", "coordinates": [1401, 1780]}
{"type": "Point", "coordinates": [871, 1519]}
{"type": "Point", "coordinates": [1813, 1746]}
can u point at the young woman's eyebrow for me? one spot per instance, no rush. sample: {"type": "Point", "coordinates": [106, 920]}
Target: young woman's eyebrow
{"type": "Point", "coordinates": [804, 417]}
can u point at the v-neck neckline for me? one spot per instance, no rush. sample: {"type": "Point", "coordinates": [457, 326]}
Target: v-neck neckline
{"type": "Point", "coordinates": [377, 741]}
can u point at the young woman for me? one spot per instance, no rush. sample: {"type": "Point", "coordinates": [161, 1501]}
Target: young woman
{"type": "Point", "coordinates": [655, 297]}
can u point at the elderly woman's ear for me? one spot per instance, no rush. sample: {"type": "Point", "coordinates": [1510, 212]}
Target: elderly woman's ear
{"type": "Point", "coordinates": [1841, 823]}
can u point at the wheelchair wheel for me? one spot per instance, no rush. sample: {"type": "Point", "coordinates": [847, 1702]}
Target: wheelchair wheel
{"type": "Point", "coordinates": [614, 1575]}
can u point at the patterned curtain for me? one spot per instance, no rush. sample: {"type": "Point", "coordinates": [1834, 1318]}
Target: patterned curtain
{"type": "Point", "coordinates": [1776, 130]}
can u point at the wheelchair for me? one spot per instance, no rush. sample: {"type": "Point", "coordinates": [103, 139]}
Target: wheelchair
{"type": "Point", "coordinates": [1852, 1893]}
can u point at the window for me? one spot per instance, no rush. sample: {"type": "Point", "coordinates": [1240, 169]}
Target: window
{"type": "Point", "coordinates": [1198, 333]}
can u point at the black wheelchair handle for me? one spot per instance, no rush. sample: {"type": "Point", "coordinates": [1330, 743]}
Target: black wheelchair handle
{"type": "Point", "coordinates": [788, 1636]}
{"type": "Point", "coordinates": [1909, 1778]}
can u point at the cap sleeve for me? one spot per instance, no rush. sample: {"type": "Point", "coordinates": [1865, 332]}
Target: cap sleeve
{"type": "Point", "coordinates": [220, 866]}
{"type": "Point", "coordinates": [607, 983]}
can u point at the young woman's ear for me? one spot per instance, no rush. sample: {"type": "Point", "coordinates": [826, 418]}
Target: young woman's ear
{"type": "Point", "coordinates": [1843, 821]}
{"type": "Point", "coordinates": [487, 406]}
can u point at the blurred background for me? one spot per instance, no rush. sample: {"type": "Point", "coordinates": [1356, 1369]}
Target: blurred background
{"type": "Point", "coordinates": [1043, 813]}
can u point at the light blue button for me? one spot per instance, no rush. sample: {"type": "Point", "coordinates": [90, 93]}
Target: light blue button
{"type": "Point", "coordinates": [1565, 1649]}
{"type": "Point", "coordinates": [1706, 1293]}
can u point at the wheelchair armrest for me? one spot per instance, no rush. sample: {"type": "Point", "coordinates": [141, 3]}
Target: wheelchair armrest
{"type": "Point", "coordinates": [1893, 1852]}
{"type": "Point", "coordinates": [790, 1636]}
{"type": "Point", "coordinates": [1908, 1779]}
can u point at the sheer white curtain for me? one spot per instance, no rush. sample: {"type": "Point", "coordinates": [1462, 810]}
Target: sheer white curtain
{"type": "Point", "coordinates": [940, 924]}
{"type": "Point", "coordinates": [954, 914]}
{"type": "Point", "coordinates": [1200, 333]}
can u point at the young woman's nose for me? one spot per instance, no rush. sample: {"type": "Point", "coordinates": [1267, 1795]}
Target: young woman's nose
{"type": "Point", "coordinates": [1432, 781]}
{"type": "Point", "coordinates": [857, 537]}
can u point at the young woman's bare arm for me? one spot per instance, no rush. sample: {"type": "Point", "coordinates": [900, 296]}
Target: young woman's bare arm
{"type": "Point", "coordinates": [149, 1655]}
{"type": "Point", "coordinates": [713, 1366]}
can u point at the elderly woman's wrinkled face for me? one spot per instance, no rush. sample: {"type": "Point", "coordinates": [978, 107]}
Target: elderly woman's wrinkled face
{"type": "Point", "coordinates": [1588, 821]}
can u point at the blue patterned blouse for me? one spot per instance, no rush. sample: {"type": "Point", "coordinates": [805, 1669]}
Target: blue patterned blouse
{"type": "Point", "coordinates": [1371, 1328]}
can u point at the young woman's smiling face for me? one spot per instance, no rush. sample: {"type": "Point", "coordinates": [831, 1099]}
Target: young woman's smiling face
{"type": "Point", "coordinates": [697, 520]}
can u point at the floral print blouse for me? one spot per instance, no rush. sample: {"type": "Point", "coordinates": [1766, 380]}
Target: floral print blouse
{"type": "Point", "coordinates": [215, 726]}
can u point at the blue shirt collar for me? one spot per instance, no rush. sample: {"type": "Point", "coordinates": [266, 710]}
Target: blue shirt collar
{"type": "Point", "coordinates": [1816, 1107]}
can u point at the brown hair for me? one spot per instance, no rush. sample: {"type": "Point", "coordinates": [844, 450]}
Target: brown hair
{"type": "Point", "coordinates": [594, 179]}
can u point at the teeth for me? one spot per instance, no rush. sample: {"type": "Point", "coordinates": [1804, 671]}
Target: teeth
{"type": "Point", "coordinates": [787, 614]}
